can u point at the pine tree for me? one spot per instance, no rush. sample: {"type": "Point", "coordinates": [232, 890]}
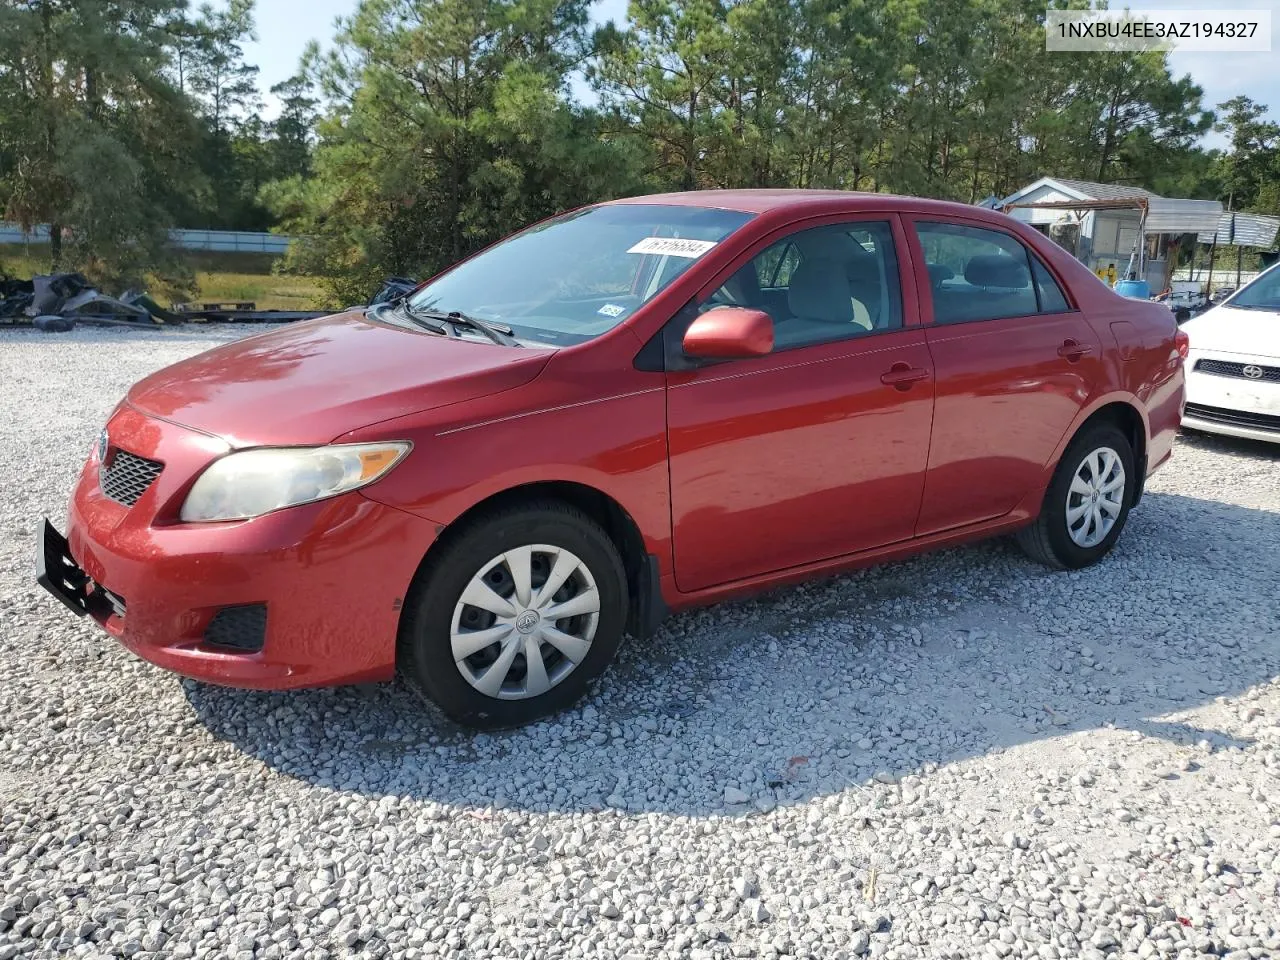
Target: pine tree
{"type": "Point", "coordinates": [217, 74]}
{"type": "Point", "coordinates": [667, 77]}
{"type": "Point", "coordinates": [291, 131]}
{"type": "Point", "coordinates": [447, 126]}
{"type": "Point", "coordinates": [1250, 171]}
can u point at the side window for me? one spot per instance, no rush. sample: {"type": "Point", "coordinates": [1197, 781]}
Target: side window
{"type": "Point", "coordinates": [1052, 299]}
{"type": "Point", "coordinates": [976, 274]}
{"type": "Point", "coordinates": [822, 284]}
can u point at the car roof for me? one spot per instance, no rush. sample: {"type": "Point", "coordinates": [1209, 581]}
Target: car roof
{"type": "Point", "coordinates": [812, 201]}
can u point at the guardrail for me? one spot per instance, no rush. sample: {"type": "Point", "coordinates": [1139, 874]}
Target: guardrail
{"type": "Point", "coordinates": [234, 241]}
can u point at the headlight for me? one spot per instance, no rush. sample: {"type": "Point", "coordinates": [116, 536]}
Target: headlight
{"type": "Point", "coordinates": [254, 482]}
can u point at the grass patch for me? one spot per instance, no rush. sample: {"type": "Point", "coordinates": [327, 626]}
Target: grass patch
{"type": "Point", "coordinates": [219, 277]}
{"type": "Point", "coordinates": [268, 291]}
{"type": "Point", "coordinates": [20, 260]}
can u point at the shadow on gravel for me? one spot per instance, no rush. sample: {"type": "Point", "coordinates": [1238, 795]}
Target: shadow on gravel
{"type": "Point", "coordinates": [806, 691]}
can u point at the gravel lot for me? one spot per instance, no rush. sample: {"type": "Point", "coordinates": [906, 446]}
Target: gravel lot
{"type": "Point", "coordinates": [959, 756]}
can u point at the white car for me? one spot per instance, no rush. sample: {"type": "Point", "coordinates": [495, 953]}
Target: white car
{"type": "Point", "coordinates": [1233, 369]}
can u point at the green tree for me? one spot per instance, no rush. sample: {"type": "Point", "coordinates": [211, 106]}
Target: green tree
{"type": "Point", "coordinates": [235, 156]}
{"type": "Point", "coordinates": [1142, 110]}
{"type": "Point", "coordinates": [1250, 170]}
{"type": "Point", "coordinates": [852, 64]}
{"type": "Point", "coordinates": [666, 77]}
{"type": "Point", "coordinates": [217, 74]}
{"type": "Point", "coordinates": [292, 130]}
{"type": "Point", "coordinates": [447, 126]}
{"type": "Point", "coordinates": [94, 138]}
{"type": "Point", "coordinates": [748, 136]}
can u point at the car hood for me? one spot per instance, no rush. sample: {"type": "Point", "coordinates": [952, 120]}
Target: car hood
{"type": "Point", "coordinates": [1225, 329]}
{"type": "Point", "coordinates": [311, 382]}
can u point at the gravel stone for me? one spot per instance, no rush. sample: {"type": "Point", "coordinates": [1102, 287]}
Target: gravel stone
{"type": "Point", "coordinates": [962, 755]}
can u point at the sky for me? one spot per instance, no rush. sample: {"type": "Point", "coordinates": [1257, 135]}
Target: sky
{"type": "Point", "coordinates": [286, 26]}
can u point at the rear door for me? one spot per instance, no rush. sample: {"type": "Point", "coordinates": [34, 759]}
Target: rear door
{"type": "Point", "coordinates": [817, 449]}
{"type": "Point", "coordinates": [1014, 362]}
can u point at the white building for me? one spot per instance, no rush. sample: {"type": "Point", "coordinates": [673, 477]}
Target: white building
{"type": "Point", "coordinates": [1101, 224]}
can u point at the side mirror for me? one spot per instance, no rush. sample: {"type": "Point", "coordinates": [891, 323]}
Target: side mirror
{"type": "Point", "coordinates": [729, 333]}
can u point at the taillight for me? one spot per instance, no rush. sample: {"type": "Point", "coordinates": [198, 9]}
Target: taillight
{"type": "Point", "coordinates": [1183, 343]}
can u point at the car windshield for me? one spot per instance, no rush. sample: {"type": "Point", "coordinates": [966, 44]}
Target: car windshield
{"type": "Point", "coordinates": [1262, 294]}
{"type": "Point", "coordinates": [577, 276]}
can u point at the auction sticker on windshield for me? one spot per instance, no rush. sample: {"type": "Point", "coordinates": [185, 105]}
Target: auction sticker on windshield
{"type": "Point", "coordinates": [673, 247]}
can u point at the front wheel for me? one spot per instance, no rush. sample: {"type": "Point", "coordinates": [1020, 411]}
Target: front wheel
{"type": "Point", "coordinates": [1087, 502]}
{"type": "Point", "coordinates": [515, 616]}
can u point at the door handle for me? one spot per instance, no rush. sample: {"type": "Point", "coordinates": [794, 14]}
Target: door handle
{"type": "Point", "coordinates": [903, 375]}
{"type": "Point", "coordinates": [1073, 350]}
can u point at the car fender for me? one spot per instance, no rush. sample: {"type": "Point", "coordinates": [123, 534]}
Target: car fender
{"type": "Point", "coordinates": [1093, 406]}
{"type": "Point", "coordinates": [615, 445]}
{"type": "Point", "coordinates": [1030, 505]}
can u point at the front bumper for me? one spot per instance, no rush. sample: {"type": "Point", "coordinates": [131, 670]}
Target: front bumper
{"type": "Point", "coordinates": [332, 575]}
{"type": "Point", "coordinates": [1232, 405]}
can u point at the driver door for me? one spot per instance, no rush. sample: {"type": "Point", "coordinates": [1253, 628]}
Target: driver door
{"type": "Point", "coordinates": [818, 449]}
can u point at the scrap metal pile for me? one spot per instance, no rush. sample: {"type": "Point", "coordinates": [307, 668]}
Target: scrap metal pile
{"type": "Point", "coordinates": [15, 298]}
{"type": "Point", "coordinates": [58, 302]}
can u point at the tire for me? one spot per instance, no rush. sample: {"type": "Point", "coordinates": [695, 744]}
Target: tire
{"type": "Point", "coordinates": [439, 621]}
{"type": "Point", "coordinates": [1050, 539]}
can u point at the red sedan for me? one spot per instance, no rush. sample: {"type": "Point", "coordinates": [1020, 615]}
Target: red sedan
{"type": "Point", "coordinates": [630, 409]}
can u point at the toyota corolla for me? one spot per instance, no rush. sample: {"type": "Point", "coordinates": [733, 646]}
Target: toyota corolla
{"type": "Point", "coordinates": [623, 411]}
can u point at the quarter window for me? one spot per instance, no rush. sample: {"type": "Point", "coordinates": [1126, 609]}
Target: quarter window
{"type": "Point", "coordinates": [978, 274]}
{"type": "Point", "coordinates": [1052, 299]}
{"type": "Point", "coordinates": [826, 283]}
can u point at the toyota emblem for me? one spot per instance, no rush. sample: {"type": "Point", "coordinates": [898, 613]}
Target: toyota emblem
{"type": "Point", "coordinates": [1252, 371]}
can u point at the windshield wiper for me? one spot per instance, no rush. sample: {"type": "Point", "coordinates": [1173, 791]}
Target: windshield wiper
{"type": "Point", "coordinates": [400, 307]}
{"type": "Point", "coordinates": [497, 332]}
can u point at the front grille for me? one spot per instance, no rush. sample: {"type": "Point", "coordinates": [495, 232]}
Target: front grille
{"type": "Point", "coordinates": [1233, 418]}
{"type": "Point", "coordinates": [242, 629]}
{"type": "Point", "coordinates": [1226, 368]}
{"type": "Point", "coordinates": [126, 476]}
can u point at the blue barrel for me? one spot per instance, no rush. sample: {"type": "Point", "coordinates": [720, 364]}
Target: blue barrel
{"type": "Point", "coordinates": [1137, 289]}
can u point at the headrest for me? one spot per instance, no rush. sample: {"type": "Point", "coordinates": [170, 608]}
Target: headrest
{"type": "Point", "coordinates": [744, 286]}
{"type": "Point", "coordinates": [819, 290]}
{"type": "Point", "coordinates": [939, 272]}
{"type": "Point", "coordinates": [997, 270]}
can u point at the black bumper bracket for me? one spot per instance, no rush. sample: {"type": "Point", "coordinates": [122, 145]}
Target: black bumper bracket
{"type": "Point", "coordinates": [57, 572]}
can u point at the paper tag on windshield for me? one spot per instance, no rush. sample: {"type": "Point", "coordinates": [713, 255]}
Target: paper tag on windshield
{"type": "Point", "coordinates": [673, 247]}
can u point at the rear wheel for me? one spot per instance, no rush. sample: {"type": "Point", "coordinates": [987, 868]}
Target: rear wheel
{"type": "Point", "coordinates": [515, 616]}
{"type": "Point", "coordinates": [1087, 503]}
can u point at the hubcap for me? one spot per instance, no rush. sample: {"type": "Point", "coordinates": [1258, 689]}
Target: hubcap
{"type": "Point", "coordinates": [525, 621]}
{"type": "Point", "coordinates": [1095, 497]}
